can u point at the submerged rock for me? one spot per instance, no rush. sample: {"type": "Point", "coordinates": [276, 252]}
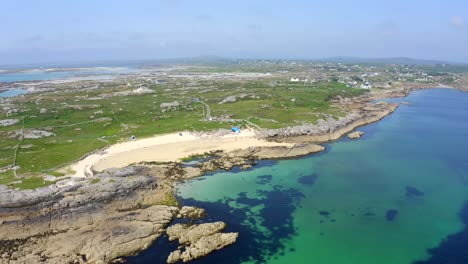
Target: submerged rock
{"type": "Point", "coordinates": [412, 192]}
{"type": "Point", "coordinates": [391, 214]}
{"type": "Point", "coordinates": [308, 179]}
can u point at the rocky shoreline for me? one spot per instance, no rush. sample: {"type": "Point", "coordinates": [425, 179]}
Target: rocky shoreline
{"type": "Point", "coordinates": [332, 129]}
{"type": "Point", "coordinates": [120, 212]}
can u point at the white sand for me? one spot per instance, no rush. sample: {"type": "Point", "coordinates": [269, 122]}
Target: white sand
{"type": "Point", "coordinates": [170, 147]}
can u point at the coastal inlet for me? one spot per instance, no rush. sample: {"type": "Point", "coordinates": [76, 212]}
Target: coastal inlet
{"type": "Point", "coordinates": [396, 195]}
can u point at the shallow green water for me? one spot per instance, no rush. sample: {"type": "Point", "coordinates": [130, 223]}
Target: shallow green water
{"type": "Point", "coordinates": [385, 198]}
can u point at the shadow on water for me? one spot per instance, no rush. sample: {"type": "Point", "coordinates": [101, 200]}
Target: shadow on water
{"type": "Point", "coordinates": [454, 249]}
{"type": "Point", "coordinates": [262, 233]}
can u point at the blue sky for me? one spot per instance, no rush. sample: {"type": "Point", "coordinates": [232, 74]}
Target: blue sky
{"type": "Point", "coordinates": [89, 30]}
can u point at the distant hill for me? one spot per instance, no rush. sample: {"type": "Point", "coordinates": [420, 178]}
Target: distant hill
{"type": "Point", "coordinates": [197, 60]}
{"type": "Point", "coordinates": [396, 60]}
{"type": "Point", "coordinates": [218, 60]}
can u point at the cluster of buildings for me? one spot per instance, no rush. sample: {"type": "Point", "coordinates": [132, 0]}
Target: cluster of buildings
{"type": "Point", "coordinates": [361, 76]}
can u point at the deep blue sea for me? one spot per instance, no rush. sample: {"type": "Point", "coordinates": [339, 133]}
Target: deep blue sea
{"type": "Point", "coordinates": [397, 195]}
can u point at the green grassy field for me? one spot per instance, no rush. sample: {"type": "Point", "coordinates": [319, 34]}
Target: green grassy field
{"type": "Point", "coordinates": [86, 121]}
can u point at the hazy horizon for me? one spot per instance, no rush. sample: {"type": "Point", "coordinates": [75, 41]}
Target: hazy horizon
{"type": "Point", "coordinates": [214, 58]}
{"type": "Point", "coordinates": [56, 31]}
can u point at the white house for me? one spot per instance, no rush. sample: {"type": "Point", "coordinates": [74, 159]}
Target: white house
{"type": "Point", "coordinates": [366, 85]}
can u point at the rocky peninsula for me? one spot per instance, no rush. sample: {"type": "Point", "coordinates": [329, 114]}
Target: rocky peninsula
{"type": "Point", "coordinates": [116, 212]}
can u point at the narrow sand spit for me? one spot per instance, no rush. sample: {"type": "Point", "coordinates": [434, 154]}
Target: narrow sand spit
{"type": "Point", "coordinates": [170, 147]}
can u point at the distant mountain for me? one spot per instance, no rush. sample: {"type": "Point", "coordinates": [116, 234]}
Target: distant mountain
{"type": "Point", "coordinates": [396, 60]}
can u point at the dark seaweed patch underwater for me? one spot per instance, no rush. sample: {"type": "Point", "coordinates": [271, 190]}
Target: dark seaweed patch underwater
{"type": "Point", "coordinates": [454, 249]}
{"type": "Point", "coordinates": [253, 244]}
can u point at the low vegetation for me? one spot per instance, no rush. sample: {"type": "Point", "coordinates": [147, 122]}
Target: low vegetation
{"type": "Point", "coordinates": [169, 200]}
{"type": "Point", "coordinates": [79, 121]}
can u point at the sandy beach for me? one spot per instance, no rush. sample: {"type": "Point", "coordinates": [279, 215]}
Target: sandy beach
{"type": "Point", "coordinates": [164, 148]}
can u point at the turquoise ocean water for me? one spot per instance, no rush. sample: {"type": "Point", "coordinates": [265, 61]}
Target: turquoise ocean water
{"type": "Point", "coordinates": [397, 195]}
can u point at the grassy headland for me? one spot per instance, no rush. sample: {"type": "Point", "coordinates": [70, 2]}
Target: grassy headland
{"type": "Point", "coordinates": [88, 115]}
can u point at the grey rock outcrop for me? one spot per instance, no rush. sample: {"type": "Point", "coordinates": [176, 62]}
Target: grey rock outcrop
{"type": "Point", "coordinates": [199, 240]}
{"type": "Point", "coordinates": [330, 128]}
{"type": "Point", "coordinates": [31, 133]}
{"type": "Point", "coordinates": [122, 172]}
{"type": "Point", "coordinates": [226, 162]}
{"type": "Point", "coordinates": [203, 247]}
{"type": "Point", "coordinates": [82, 107]}
{"type": "Point", "coordinates": [174, 104]}
{"type": "Point", "coordinates": [191, 212]}
{"type": "Point", "coordinates": [229, 99]}
{"type": "Point", "coordinates": [8, 122]}
{"type": "Point", "coordinates": [95, 219]}
{"type": "Point", "coordinates": [191, 234]}
{"type": "Point", "coordinates": [355, 135]}
{"type": "Point", "coordinates": [73, 192]}
{"type": "Point", "coordinates": [232, 98]}
{"type": "Point", "coordinates": [278, 152]}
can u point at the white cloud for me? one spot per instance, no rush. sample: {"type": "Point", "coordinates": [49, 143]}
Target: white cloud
{"type": "Point", "coordinates": [457, 22]}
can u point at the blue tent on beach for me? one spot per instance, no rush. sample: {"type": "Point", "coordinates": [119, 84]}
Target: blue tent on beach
{"type": "Point", "coordinates": [235, 129]}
